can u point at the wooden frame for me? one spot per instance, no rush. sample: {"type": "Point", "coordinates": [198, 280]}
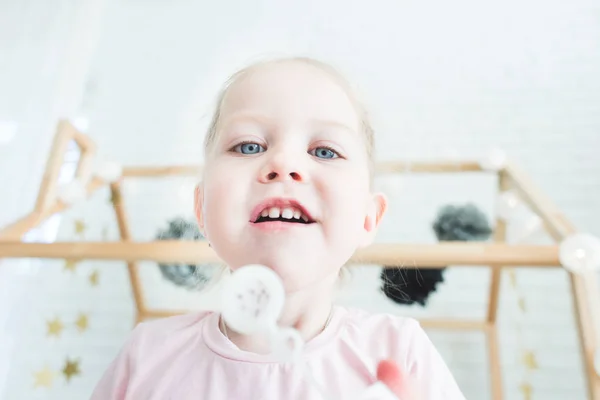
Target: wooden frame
{"type": "Point", "coordinates": [495, 256]}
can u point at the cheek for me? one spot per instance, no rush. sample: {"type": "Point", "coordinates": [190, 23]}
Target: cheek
{"type": "Point", "coordinates": [220, 203]}
{"type": "Point", "coordinates": [348, 205]}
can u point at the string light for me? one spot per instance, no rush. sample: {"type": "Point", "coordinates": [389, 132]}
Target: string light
{"type": "Point", "coordinates": [580, 252]}
{"type": "Point", "coordinates": [495, 161]}
{"type": "Point", "coordinates": [507, 203]}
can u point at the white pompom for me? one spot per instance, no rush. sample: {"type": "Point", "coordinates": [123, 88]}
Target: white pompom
{"type": "Point", "coordinates": [109, 171]}
{"type": "Point", "coordinates": [580, 252]}
{"type": "Point", "coordinates": [72, 193]}
{"type": "Point", "coordinates": [507, 204]}
{"type": "Point", "coordinates": [253, 298]}
{"type": "Point", "coordinates": [495, 161]}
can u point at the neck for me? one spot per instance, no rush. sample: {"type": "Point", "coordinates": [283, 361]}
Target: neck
{"type": "Point", "coordinates": [307, 311]}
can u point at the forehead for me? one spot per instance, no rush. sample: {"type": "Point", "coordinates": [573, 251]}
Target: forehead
{"type": "Point", "coordinates": [290, 91]}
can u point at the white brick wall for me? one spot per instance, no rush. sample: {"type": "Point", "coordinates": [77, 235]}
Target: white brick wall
{"type": "Point", "coordinates": [459, 75]}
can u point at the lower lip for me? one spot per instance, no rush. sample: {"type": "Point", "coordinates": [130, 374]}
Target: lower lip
{"type": "Point", "coordinates": [278, 225]}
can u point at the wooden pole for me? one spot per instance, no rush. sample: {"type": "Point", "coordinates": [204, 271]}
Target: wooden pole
{"type": "Point", "coordinates": [467, 254]}
{"type": "Point", "coordinates": [132, 266]}
{"type": "Point", "coordinates": [88, 152]}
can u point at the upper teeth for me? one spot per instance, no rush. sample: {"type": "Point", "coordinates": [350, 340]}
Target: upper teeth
{"type": "Point", "coordinates": [286, 213]}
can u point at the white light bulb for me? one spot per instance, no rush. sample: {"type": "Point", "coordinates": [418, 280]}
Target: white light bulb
{"type": "Point", "coordinates": [533, 225]}
{"type": "Point", "coordinates": [109, 171]}
{"type": "Point", "coordinates": [72, 193]}
{"type": "Point", "coordinates": [495, 161]}
{"type": "Point", "coordinates": [506, 204]}
{"type": "Point", "coordinates": [580, 252]}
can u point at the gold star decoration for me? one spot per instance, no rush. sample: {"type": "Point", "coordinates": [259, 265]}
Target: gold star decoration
{"type": "Point", "coordinates": [530, 361]}
{"type": "Point", "coordinates": [527, 390]}
{"type": "Point", "coordinates": [94, 278]}
{"type": "Point", "coordinates": [71, 265]}
{"type": "Point", "coordinates": [55, 327]}
{"type": "Point", "coordinates": [82, 322]}
{"type": "Point", "coordinates": [522, 305]}
{"type": "Point", "coordinates": [80, 227]}
{"type": "Point", "coordinates": [513, 277]}
{"type": "Point", "coordinates": [43, 378]}
{"type": "Point", "coordinates": [71, 369]}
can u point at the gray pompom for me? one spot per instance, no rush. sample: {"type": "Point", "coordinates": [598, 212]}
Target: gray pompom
{"type": "Point", "coordinates": [461, 223]}
{"type": "Point", "coordinates": [193, 277]}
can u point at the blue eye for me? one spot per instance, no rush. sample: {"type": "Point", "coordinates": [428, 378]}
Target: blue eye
{"type": "Point", "coordinates": [249, 148]}
{"type": "Point", "coordinates": [325, 152]}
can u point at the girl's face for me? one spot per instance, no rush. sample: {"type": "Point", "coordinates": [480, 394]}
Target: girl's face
{"type": "Point", "coordinates": [289, 142]}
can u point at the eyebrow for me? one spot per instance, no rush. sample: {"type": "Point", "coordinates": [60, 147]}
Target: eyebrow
{"type": "Point", "coordinates": [264, 120]}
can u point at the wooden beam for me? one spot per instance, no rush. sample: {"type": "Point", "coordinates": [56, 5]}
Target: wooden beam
{"type": "Point", "coordinates": [393, 167]}
{"type": "Point", "coordinates": [554, 220]}
{"type": "Point", "coordinates": [17, 229]}
{"type": "Point", "coordinates": [386, 167]}
{"type": "Point", "coordinates": [453, 324]}
{"type": "Point", "coordinates": [426, 323]}
{"type": "Point", "coordinates": [162, 172]}
{"type": "Point", "coordinates": [420, 255]}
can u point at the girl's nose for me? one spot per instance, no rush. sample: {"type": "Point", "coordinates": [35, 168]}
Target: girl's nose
{"type": "Point", "coordinates": [282, 167]}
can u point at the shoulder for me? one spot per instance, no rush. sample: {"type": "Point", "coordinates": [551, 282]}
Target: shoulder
{"type": "Point", "coordinates": [402, 339]}
{"type": "Point", "coordinates": [384, 335]}
{"type": "Point", "coordinates": [169, 330]}
{"type": "Point", "coordinates": [381, 323]}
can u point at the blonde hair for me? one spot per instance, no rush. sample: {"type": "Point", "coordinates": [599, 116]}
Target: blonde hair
{"type": "Point", "coordinates": [361, 111]}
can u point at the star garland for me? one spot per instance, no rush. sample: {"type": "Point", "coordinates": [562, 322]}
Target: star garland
{"type": "Point", "coordinates": [527, 356]}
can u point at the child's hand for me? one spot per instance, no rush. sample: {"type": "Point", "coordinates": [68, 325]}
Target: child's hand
{"type": "Point", "coordinates": [397, 381]}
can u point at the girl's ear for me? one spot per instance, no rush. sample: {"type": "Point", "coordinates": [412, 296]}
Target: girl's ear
{"type": "Point", "coordinates": [375, 213]}
{"type": "Point", "coordinates": [199, 206]}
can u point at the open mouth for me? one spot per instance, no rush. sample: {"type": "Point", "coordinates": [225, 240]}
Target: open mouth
{"type": "Point", "coordinates": [287, 214]}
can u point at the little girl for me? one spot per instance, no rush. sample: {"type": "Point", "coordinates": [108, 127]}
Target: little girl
{"type": "Point", "coordinates": [287, 184]}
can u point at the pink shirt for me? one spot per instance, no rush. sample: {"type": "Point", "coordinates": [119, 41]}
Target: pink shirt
{"type": "Point", "coordinates": [187, 357]}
